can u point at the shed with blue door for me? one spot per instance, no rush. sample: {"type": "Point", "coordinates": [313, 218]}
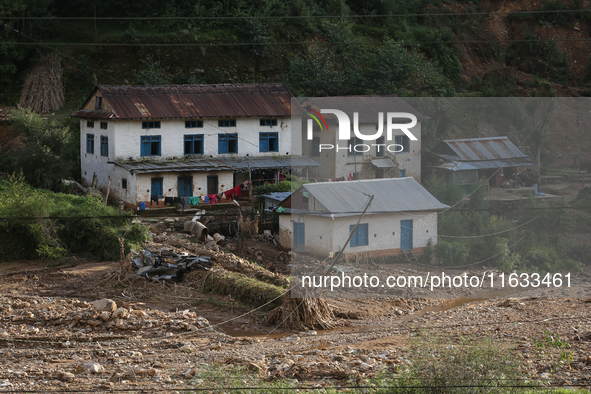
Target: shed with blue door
{"type": "Point", "coordinates": [401, 217]}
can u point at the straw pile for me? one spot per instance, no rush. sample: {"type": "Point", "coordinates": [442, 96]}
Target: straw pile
{"type": "Point", "coordinates": [302, 314]}
{"type": "Point", "coordinates": [43, 90]}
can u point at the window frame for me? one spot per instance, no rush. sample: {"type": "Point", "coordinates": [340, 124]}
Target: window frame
{"type": "Point", "coordinates": [90, 148]}
{"type": "Point", "coordinates": [104, 125]}
{"type": "Point", "coordinates": [359, 238]}
{"type": "Point", "coordinates": [151, 124]}
{"type": "Point", "coordinates": [193, 124]}
{"type": "Point", "coordinates": [404, 141]}
{"type": "Point", "coordinates": [90, 124]}
{"type": "Point", "coordinates": [98, 102]}
{"type": "Point", "coordinates": [270, 122]}
{"type": "Point", "coordinates": [192, 139]}
{"type": "Point", "coordinates": [146, 140]}
{"type": "Point", "coordinates": [227, 123]}
{"type": "Point", "coordinates": [124, 183]}
{"type": "Point", "coordinates": [381, 150]}
{"type": "Point", "coordinates": [265, 139]}
{"type": "Point", "coordinates": [352, 142]}
{"type": "Point", "coordinates": [315, 147]}
{"type": "Point", "coordinates": [104, 146]}
{"type": "Point", "coordinates": [227, 138]}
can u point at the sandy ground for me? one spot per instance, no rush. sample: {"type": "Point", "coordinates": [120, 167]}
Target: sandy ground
{"type": "Point", "coordinates": [52, 337]}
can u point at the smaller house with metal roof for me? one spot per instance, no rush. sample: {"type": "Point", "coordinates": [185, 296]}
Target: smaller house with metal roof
{"type": "Point", "coordinates": [146, 143]}
{"type": "Point", "coordinates": [401, 217]}
{"type": "Point", "coordinates": [466, 161]}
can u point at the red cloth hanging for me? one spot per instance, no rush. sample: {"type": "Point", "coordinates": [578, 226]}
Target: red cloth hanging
{"type": "Point", "coordinates": [229, 194]}
{"type": "Point", "coordinates": [237, 191]}
{"type": "Point", "coordinates": [213, 199]}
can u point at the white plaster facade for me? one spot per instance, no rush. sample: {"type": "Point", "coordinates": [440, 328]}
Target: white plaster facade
{"type": "Point", "coordinates": [338, 163]}
{"type": "Point", "coordinates": [125, 136]}
{"type": "Point", "coordinates": [324, 235]}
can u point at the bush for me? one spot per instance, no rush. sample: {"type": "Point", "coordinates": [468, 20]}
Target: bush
{"type": "Point", "coordinates": [440, 365]}
{"type": "Point", "coordinates": [26, 235]}
{"type": "Point", "coordinates": [451, 254]}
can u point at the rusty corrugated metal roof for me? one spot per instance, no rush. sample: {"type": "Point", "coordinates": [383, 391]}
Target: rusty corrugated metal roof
{"type": "Point", "coordinates": [93, 114]}
{"type": "Point", "coordinates": [196, 101]}
{"type": "Point", "coordinates": [476, 149]}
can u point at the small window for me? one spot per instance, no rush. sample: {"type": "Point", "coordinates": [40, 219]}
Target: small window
{"type": "Point", "coordinates": [123, 183]}
{"type": "Point", "coordinates": [268, 122]}
{"type": "Point", "coordinates": [305, 198]}
{"type": "Point", "coordinates": [380, 147]}
{"type": "Point", "coordinates": [90, 143]}
{"type": "Point", "coordinates": [104, 146]}
{"type": "Point", "coordinates": [193, 124]}
{"type": "Point", "coordinates": [227, 123]}
{"type": "Point", "coordinates": [228, 143]}
{"type": "Point", "coordinates": [90, 124]}
{"type": "Point", "coordinates": [150, 145]}
{"type": "Point", "coordinates": [352, 143]}
{"type": "Point", "coordinates": [104, 125]}
{"type": "Point", "coordinates": [268, 142]}
{"type": "Point", "coordinates": [194, 144]}
{"type": "Point", "coordinates": [402, 141]}
{"type": "Point", "coordinates": [315, 146]}
{"type": "Point", "coordinates": [402, 173]}
{"type": "Point", "coordinates": [98, 102]}
{"type": "Point", "coordinates": [359, 237]}
{"type": "Point", "coordinates": [151, 125]}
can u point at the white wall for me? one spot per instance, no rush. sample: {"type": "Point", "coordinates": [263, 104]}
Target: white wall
{"type": "Point", "coordinates": [339, 164]}
{"type": "Point", "coordinates": [384, 231]}
{"type": "Point", "coordinates": [95, 163]}
{"type": "Point", "coordinates": [172, 132]}
{"type": "Point", "coordinates": [170, 179]}
{"type": "Point", "coordinates": [324, 235]}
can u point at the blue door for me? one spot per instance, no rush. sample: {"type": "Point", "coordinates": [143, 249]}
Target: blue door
{"type": "Point", "coordinates": [185, 186]}
{"type": "Point", "coordinates": [299, 236]}
{"type": "Point", "coordinates": [156, 187]}
{"type": "Point", "coordinates": [406, 234]}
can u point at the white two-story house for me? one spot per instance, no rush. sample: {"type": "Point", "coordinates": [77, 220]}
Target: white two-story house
{"type": "Point", "coordinates": [142, 142]}
{"type": "Point", "coordinates": [360, 159]}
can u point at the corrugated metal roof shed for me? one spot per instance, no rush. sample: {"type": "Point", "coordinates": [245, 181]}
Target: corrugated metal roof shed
{"type": "Point", "coordinates": [476, 149]}
{"type": "Point", "coordinates": [195, 101]}
{"type": "Point", "coordinates": [216, 164]}
{"type": "Point", "coordinates": [277, 196]}
{"type": "Point", "coordinates": [391, 195]}
{"type": "Point", "coordinates": [483, 165]}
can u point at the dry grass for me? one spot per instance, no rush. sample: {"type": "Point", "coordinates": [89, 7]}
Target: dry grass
{"type": "Point", "coordinates": [43, 90]}
{"type": "Point", "coordinates": [302, 314]}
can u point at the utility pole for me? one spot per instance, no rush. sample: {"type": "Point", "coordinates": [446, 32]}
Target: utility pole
{"type": "Point", "coordinates": [336, 259]}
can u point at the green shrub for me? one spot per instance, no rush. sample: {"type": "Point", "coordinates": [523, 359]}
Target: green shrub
{"type": "Point", "coordinates": [44, 224]}
{"type": "Point", "coordinates": [438, 366]}
{"type": "Point", "coordinates": [451, 254]}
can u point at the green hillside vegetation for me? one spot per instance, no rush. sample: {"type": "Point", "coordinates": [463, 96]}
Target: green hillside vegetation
{"type": "Point", "coordinates": [300, 42]}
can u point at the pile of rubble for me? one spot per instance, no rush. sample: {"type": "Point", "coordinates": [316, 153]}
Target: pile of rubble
{"type": "Point", "coordinates": [166, 265]}
{"type": "Point", "coordinates": [38, 316]}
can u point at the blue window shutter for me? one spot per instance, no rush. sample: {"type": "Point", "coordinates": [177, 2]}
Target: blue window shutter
{"type": "Point", "coordinates": [354, 236]}
{"type": "Point", "coordinates": [263, 142]}
{"type": "Point", "coordinates": [145, 147]}
{"type": "Point", "coordinates": [363, 236]}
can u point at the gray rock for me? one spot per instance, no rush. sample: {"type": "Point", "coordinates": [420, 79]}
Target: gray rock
{"type": "Point", "coordinates": [105, 304]}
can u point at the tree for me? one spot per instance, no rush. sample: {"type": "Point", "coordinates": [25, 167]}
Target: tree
{"type": "Point", "coordinates": [50, 152]}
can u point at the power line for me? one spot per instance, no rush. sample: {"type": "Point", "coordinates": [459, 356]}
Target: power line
{"type": "Point", "coordinates": [229, 44]}
{"type": "Point", "coordinates": [521, 12]}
